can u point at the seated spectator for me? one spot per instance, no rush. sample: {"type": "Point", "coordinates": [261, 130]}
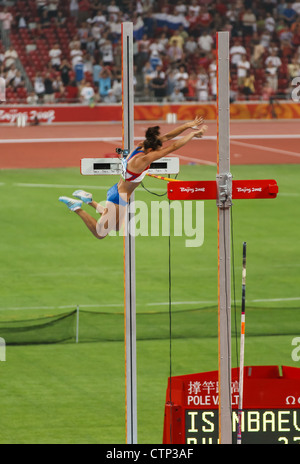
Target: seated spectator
{"type": "Point", "coordinates": [272, 76]}
{"type": "Point", "coordinates": [293, 68]}
{"type": "Point", "coordinates": [49, 90]}
{"type": "Point", "coordinates": [191, 94]}
{"type": "Point", "coordinates": [157, 46]}
{"type": "Point", "coordinates": [181, 7]}
{"type": "Point", "coordinates": [212, 72]}
{"type": "Point", "coordinates": [265, 39]}
{"type": "Point", "coordinates": [281, 5]}
{"type": "Point", "coordinates": [10, 75]}
{"type": "Point", "coordinates": [194, 7]}
{"type": "Point", "coordinates": [295, 30]}
{"type": "Point", "coordinates": [147, 74]}
{"type": "Point", "coordinates": [236, 52]}
{"type": "Point", "coordinates": [206, 42]}
{"type": "Point", "coordinates": [96, 30]}
{"type": "Point", "coordinates": [183, 33]}
{"type": "Point", "coordinates": [74, 42]}
{"type": "Point", "coordinates": [257, 53]}
{"type": "Point", "coordinates": [18, 80]}
{"type": "Point", "coordinates": [232, 16]}
{"type": "Point", "coordinates": [87, 94]}
{"type": "Point", "coordinates": [249, 22]}
{"type": "Point", "coordinates": [105, 83]}
{"type": "Point", "coordinates": [115, 27]}
{"type": "Point", "coordinates": [177, 39]}
{"type": "Point", "coordinates": [10, 57]}
{"type": "Point", "coordinates": [289, 14]}
{"type": "Point", "coordinates": [190, 46]}
{"type": "Point", "coordinates": [107, 53]}
{"type": "Point", "coordinates": [7, 19]}
{"type": "Point", "coordinates": [174, 53]}
{"type": "Point", "coordinates": [248, 87]}
{"type": "Point", "coordinates": [155, 60]}
{"type": "Point", "coordinates": [116, 90]}
{"type": "Point", "coordinates": [181, 79]}
{"type": "Point", "coordinates": [296, 7]}
{"type": "Point", "coordinates": [41, 6]}
{"type": "Point", "coordinates": [221, 7]}
{"type": "Point", "coordinates": [22, 23]}
{"type": "Point", "coordinates": [274, 60]}
{"type": "Point", "coordinates": [205, 18]}
{"type": "Point", "coordinates": [243, 66]}
{"type": "Point", "coordinates": [194, 21]}
{"type": "Point", "coordinates": [45, 21]}
{"type": "Point", "coordinates": [2, 57]}
{"type": "Point", "coordinates": [79, 71]}
{"type": "Point", "coordinates": [176, 96]}
{"type": "Point", "coordinates": [52, 9]}
{"type": "Point", "coordinates": [76, 55]}
{"type": "Point", "coordinates": [84, 10]}
{"type": "Point", "coordinates": [267, 92]}
{"type": "Point", "coordinates": [99, 19]}
{"type": "Point", "coordinates": [60, 20]}
{"type": "Point", "coordinates": [83, 34]}
{"type": "Point", "coordinates": [143, 53]}
{"type": "Point", "coordinates": [158, 84]}
{"type": "Point", "coordinates": [55, 56]}
{"type": "Point", "coordinates": [270, 23]}
{"type": "Point", "coordinates": [88, 63]}
{"type": "Point", "coordinates": [39, 86]}
{"type": "Point", "coordinates": [65, 69]}
{"type": "Point", "coordinates": [203, 87]}
{"type": "Point", "coordinates": [97, 68]}
{"type": "Point", "coordinates": [286, 49]}
{"type": "Point", "coordinates": [72, 92]}
{"type": "Point", "coordinates": [113, 9]}
{"type": "Point", "coordinates": [32, 98]}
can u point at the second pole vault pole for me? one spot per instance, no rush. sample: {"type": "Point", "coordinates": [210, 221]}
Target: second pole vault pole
{"type": "Point", "coordinates": [129, 240]}
{"type": "Point", "coordinates": [242, 349]}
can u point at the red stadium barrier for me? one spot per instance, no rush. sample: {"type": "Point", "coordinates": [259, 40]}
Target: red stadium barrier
{"type": "Point", "coordinates": [145, 112]}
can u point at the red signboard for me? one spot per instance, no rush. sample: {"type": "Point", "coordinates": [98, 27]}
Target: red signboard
{"type": "Point", "coordinates": [271, 407]}
{"type": "Point", "coordinates": [207, 190]}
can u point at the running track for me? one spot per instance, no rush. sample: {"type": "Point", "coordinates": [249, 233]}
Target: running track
{"type": "Point", "coordinates": [55, 146]}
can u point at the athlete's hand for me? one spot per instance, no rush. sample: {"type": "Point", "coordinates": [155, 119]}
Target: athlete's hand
{"type": "Point", "coordinates": [200, 132]}
{"type": "Point", "coordinates": [197, 122]}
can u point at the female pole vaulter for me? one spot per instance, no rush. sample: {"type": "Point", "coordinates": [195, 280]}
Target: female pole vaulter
{"type": "Point", "coordinates": [135, 167]}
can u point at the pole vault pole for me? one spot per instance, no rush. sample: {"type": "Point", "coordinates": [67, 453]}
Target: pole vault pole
{"type": "Point", "coordinates": [224, 203]}
{"type": "Point", "coordinates": [129, 241]}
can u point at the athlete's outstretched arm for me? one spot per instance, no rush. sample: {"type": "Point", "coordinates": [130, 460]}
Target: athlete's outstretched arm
{"type": "Point", "coordinates": [178, 130]}
{"type": "Point", "coordinates": [157, 154]}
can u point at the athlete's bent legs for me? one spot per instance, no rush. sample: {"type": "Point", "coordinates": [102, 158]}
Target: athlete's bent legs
{"type": "Point", "coordinates": [112, 217]}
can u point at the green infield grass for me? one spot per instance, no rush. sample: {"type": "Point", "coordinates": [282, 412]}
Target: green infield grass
{"type": "Point", "coordinates": [50, 264]}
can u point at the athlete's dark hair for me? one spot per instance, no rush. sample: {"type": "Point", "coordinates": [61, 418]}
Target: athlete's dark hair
{"type": "Point", "coordinates": [152, 140]}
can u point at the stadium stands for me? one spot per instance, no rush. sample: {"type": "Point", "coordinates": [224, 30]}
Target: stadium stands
{"type": "Point", "coordinates": [75, 44]}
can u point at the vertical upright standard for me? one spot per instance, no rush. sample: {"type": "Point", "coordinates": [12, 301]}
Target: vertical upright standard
{"type": "Point", "coordinates": [224, 203]}
{"type": "Point", "coordinates": [129, 240]}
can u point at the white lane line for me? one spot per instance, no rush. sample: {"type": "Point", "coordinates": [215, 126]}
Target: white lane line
{"type": "Point", "coordinates": [269, 149]}
{"type": "Point", "coordinates": [164, 303]}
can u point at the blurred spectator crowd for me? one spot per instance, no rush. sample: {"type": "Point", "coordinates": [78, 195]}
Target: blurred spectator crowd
{"type": "Point", "coordinates": [69, 51]}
